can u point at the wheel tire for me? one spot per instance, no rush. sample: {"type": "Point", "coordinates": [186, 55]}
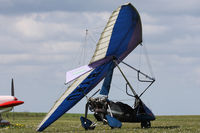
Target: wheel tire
{"type": "Point", "coordinates": [145, 124]}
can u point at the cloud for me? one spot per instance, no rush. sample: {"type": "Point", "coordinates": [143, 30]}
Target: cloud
{"type": "Point", "coordinates": [153, 30]}
{"type": "Point", "coordinates": [197, 75]}
{"type": "Point", "coordinates": [159, 7]}
{"type": "Point", "coordinates": [27, 6]}
{"type": "Point", "coordinates": [45, 39]}
{"type": "Point", "coordinates": [33, 26]}
{"type": "Point", "coordinates": [30, 28]}
{"type": "Point", "coordinates": [62, 25]}
{"type": "Point", "coordinates": [147, 18]}
{"type": "Point", "coordinates": [7, 59]}
{"type": "Point", "coordinates": [54, 30]}
{"type": "Point", "coordinates": [59, 47]}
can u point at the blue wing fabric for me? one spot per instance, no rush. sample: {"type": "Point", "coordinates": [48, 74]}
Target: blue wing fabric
{"type": "Point", "coordinates": [126, 35]}
{"type": "Point", "coordinates": [123, 30]}
{"type": "Point", "coordinates": [107, 81]}
{"type": "Point", "coordinates": [75, 96]}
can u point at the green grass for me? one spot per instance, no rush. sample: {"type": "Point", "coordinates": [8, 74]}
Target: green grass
{"type": "Point", "coordinates": [28, 122]}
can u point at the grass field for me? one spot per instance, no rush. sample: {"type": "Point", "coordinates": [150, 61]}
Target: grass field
{"type": "Point", "coordinates": [28, 122]}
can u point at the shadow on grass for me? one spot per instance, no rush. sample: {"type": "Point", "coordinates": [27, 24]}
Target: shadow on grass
{"type": "Point", "coordinates": [166, 127]}
{"type": "Point", "coordinates": [118, 130]}
{"type": "Point", "coordinates": [159, 127]}
{"type": "Point", "coordinates": [113, 130]}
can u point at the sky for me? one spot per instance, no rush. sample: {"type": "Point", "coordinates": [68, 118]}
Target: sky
{"type": "Point", "coordinates": [41, 40]}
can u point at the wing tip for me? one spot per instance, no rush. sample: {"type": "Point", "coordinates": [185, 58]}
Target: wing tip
{"type": "Point", "coordinates": [40, 129]}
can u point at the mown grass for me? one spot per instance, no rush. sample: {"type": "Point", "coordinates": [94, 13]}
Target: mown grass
{"type": "Point", "coordinates": [28, 122]}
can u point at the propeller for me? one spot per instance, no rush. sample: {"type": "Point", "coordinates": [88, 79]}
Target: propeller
{"type": "Point", "coordinates": [86, 123]}
{"type": "Point", "coordinates": [13, 94]}
{"type": "Point", "coordinates": [12, 88]}
{"type": "Point", "coordinates": [87, 104]}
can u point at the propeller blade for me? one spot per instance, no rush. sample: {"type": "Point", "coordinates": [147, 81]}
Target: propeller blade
{"type": "Point", "coordinates": [12, 88]}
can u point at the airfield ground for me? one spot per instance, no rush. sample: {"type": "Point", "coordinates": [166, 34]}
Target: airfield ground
{"type": "Point", "coordinates": [28, 122]}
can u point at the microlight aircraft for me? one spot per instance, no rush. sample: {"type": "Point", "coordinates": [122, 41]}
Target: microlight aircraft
{"type": "Point", "coordinates": [121, 35]}
{"type": "Point", "coordinates": [7, 103]}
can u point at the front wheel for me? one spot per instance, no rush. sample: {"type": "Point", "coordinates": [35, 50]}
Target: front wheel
{"type": "Point", "coordinates": [145, 124]}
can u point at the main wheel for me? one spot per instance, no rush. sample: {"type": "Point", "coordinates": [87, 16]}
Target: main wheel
{"type": "Point", "coordinates": [145, 124]}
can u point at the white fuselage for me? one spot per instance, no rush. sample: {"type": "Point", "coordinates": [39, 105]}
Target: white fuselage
{"type": "Point", "coordinates": [8, 102]}
{"type": "Point", "coordinates": [4, 99]}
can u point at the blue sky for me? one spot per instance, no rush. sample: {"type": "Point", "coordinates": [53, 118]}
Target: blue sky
{"type": "Point", "coordinates": [41, 40]}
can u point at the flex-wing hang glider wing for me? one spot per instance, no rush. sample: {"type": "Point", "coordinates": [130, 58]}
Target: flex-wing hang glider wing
{"type": "Point", "coordinates": [122, 34]}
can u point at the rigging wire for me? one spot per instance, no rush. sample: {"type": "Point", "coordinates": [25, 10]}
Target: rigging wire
{"type": "Point", "coordinates": [84, 47]}
{"type": "Point", "coordinates": [98, 29]}
{"type": "Point", "coordinates": [140, 57]}
{"type": "Point", "coordinates": [122, 90]}
{"type": "Point", "coordinates": [83, 50]}
{"type": "Point", "coordinates": [89, 39]}
{"type": "Point", "coordinates": [139, 62]}
{"type": "Point", "coordinates": [92, 39]}
{"type": "Point", "coordinates": [93, 43]}
{"type": "Point", "coordinates": [148, 61]}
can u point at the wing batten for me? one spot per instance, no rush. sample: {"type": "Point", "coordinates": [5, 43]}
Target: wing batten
{"type": "Point", "coordinates": [119, 33]}
{"type": "Point", "coordinates": [105, 38]}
